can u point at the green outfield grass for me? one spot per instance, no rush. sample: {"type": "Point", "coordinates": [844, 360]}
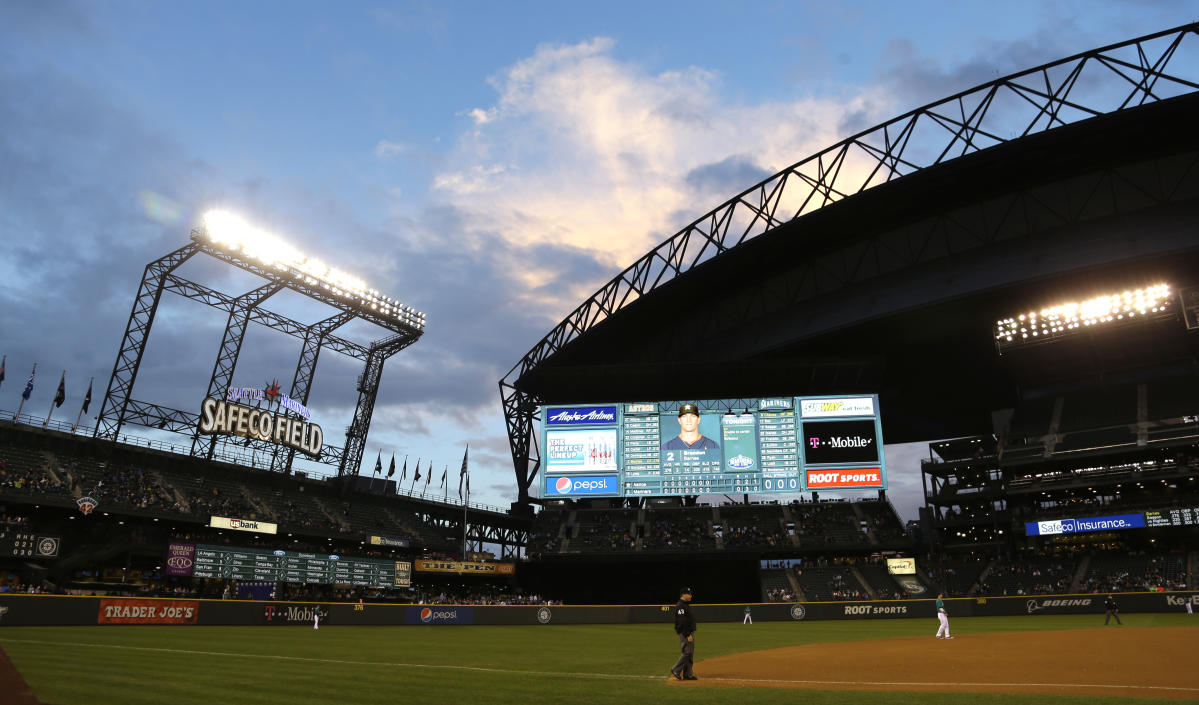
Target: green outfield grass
{"type": "Point", "coordinates": [518, 665]}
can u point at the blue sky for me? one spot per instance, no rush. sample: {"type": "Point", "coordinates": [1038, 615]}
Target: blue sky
{"type": "Point", "coordinates": [491, 164]}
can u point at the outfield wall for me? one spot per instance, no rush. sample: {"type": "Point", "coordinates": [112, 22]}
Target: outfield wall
{"type": "Point", "coordinates": [55, 610]}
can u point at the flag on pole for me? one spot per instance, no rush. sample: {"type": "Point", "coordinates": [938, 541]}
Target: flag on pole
{"type": "Point", "coordinates": [417, 471]}
{"type": "Point", "coordinates": [462, 472]}
{"type": "Point", "coordinates": [29, 385]}
{"type": "Point", "coordinates": [404, 472]}
{"type": "Point", "coordinates": [379, 463]}
{"type": "Point", "coordinates": [87, 398]}
{"type": "Point", "coordinates": [444, 474]}
{"type": "Point", "coordinates": [392, 470]}
{"type": "Point", "coordinates": [429, 476]}
{"type": "Point", "coordinates": [61, 395]}
{"type": "Point", "coordinates": [2, 361]}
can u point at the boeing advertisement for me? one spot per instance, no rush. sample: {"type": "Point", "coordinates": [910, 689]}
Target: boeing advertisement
{"type": "Point", "coordinates": [675, 448]}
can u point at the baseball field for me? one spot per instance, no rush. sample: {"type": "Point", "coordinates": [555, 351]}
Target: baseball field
{"type": "Point", "coordinates": [1064, 660]}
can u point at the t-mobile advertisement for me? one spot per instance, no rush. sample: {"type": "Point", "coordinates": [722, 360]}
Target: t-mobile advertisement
{"type": "Point", "coordinates": [829, 442]}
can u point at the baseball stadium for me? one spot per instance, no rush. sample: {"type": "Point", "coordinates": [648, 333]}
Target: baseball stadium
{"type": "Point", "coordinates": [1008, 276]}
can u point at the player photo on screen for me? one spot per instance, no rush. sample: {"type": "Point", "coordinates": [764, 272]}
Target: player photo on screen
{"type": "Point", "coordinates": [839, 442]}
{"type": "Point", "coordinates": [691, 444]}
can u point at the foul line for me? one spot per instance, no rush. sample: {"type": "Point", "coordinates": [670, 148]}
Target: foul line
{"type": "Point", "coordinates": [594, 676]}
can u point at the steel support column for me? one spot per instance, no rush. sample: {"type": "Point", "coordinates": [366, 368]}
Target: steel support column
{"type": "Point", "coordinates": [227, 354]}
{"type": "Point", "coordinates": [301, 383]}
{"type": "Point", "coordinates": [129, 356]}
{"type": "Point", "coordinates": [368, 389]}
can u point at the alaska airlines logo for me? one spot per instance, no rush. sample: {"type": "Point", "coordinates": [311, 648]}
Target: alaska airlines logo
{"type": "Point", "coordinates": [741, 462]}
{"type": "Point", "coordinates": [582, 415]}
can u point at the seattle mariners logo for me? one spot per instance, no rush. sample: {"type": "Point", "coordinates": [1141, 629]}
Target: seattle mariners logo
{"type": "Point", "coordinates": [544, 615]}
{"type": "Point", "coordinates": [47, 546]}
{"type": "Point", "coordinates": [798, 612]}
{"type": "Point", "coordinates": [3, 611]}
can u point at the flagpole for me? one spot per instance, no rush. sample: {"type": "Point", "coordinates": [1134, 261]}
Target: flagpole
{"type": "Point", "coordinates": [465, 501]}
{"type": "Point", "coordinates": [25, 394]}
{"type": "Point", "coordinates": [56, 400]}
{"type": "Point", "coordinates": [85, 402]}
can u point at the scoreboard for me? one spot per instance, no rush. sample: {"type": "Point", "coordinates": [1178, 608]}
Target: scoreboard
{"type": "Point", "coordinates": [266, 565]}
{"type": "Point", "coordinates": [16, 542]}
{"type": "Point", "coordinates": [1186, 516]}
{"type": "Point", "coordinates": [762, 445]}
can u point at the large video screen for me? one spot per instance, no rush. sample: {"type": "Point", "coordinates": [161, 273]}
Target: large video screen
{"type": "Point", "coordinates": [767, 445]}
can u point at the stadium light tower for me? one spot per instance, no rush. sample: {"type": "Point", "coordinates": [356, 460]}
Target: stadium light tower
{"type": "Point", "coordinates": [241, 241]}
{"type": "Point", "coordinates": [1053, 322]}
{"type": "Point", "coordinates": [229, 238]}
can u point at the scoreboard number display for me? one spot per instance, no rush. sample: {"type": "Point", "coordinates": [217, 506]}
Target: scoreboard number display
{"type": "Point", "coordinates": [764, 445]}
{"type": "Point", "coordinates": [296, 567]}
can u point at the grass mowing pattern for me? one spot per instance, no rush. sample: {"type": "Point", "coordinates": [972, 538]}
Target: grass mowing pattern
{"type": "Point", "coordinates": [529, 665]}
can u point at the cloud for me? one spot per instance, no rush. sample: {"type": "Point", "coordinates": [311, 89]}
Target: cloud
{"type": "Point", "coordinates": [385, 148]}
{"type": "Point", "coordinates": [583, 150]}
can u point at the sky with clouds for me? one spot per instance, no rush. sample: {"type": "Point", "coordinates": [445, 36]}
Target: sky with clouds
{"type": "Point", "coordinates": [490, 164]}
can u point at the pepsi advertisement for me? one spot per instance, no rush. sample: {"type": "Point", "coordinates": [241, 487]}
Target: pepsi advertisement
{"type": "Point", "coordinates": [687, 448]}
{"type": "Point", "coordinates": [439, 614]}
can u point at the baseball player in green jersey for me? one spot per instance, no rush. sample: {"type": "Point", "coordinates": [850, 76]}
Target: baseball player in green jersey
{"type": "Point", "coordinates": [943, 617]}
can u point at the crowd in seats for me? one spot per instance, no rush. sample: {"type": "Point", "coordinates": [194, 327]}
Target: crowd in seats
{"type": "Point", "coordinates": [883, 521]}
{"type": "Point", "coordinates": [678, 529]}
{"type": "Point", "coordinates": [826, 523]}
{"type": "Point", "coordinates": [1028, 576]}
{"type": "Point", "coordinates": [1134, 573]}
{"type": "Point", "coordinates": [753, 526]}
{"type": "Point", "coordinates": [828, 582]}
{"type": "Point", "coordinates": [484, 595]}
{"type": "Point", "coordinates": [604, 531]}
{"type": "Point", "coordinates": [27, 479]}
{"type": "Point", "coordinates": [545, 536]}
{"type": "Point", "coordinates": [775, 586]}
{"type": "Point", "coordinates": [118, 485]}
{"type": "Point", "coordinates": [956, 578]}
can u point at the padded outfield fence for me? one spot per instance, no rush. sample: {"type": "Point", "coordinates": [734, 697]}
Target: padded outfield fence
{"type": "Point", "coordinates": [58, 610]}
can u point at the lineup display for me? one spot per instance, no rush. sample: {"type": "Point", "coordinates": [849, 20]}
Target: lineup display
{"type": "Point", "coordinates": [264, 565]}
{"type": "Point", "coordinates": [765, 445]}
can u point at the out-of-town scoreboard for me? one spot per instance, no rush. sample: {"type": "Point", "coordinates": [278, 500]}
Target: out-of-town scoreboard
{"type": "Point", "coordinates": [769, 445]}
{"type": "Point", "coordinates": [264, 565]}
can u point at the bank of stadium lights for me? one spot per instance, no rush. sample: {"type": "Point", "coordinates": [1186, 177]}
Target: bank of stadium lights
{"type": "Point", "coordinates": [1054, 321]}
{"type": "Point", "coordinates": [229, 233]}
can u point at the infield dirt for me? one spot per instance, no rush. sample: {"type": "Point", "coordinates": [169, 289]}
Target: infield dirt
{"type": "Point", "coordinates": [1142, 662]}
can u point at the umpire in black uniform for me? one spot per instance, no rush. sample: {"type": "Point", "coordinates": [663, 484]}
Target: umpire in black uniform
{"type": "Point", "coordinates": [684, 626]}
{"type": "Point", "coordinates": [1112, 610]}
